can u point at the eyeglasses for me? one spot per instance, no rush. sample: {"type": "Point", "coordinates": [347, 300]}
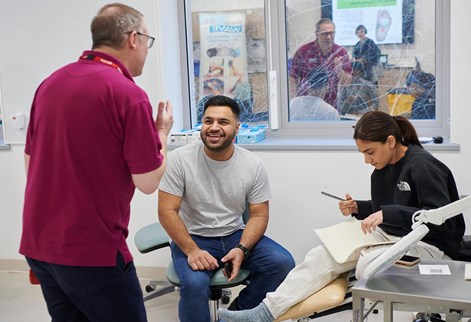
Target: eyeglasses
{"type": "Point", "coordinates": [326, 33]}
{"type": "Point", "coordinates": [150, 39]}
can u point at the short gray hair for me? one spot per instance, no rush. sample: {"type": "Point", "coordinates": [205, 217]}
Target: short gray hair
{"type": "Point", "coordinates": [324, 21]}
{"type": "Point", "coordinates": [111, 24]}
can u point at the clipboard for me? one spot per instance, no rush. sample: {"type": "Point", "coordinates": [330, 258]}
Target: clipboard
{"type": "Point", "coordinates": [345, 240]}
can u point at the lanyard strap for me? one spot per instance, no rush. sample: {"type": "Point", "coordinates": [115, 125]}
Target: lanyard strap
{"type": "Point", "coordinates": [101, 60]}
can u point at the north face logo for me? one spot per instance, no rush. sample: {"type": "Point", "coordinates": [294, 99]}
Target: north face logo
{"type": "Point", "coordinates": [403, 186]}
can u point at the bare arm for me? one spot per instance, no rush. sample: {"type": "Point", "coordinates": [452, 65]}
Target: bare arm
{"type": "Point", "coordinates": [26, 163]}
{"type": "Point", "coordinates": [344, 77]}
{"type": "Point", "coordinates": [256, 225]}
{"type": "Point", "coordinates": [168, 208]}
{"type": "Point", "coordinates": [149, 182]}
{"type": "Point", "coordinates": [293, 86]}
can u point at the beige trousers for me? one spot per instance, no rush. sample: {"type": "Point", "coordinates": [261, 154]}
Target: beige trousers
{"type": "Point", "coordinates": [319, 269]}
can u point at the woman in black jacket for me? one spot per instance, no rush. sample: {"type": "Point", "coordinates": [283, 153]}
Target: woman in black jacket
{"type": "Point", "coordinates": [406, 178]}
{"type": "Point", "coordinates": [367, 53]}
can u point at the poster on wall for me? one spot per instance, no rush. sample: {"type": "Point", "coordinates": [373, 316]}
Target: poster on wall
{"type": "Point", "coordinates": [223, 53]}
{"type": "Point", "coordinates": [387, 21]}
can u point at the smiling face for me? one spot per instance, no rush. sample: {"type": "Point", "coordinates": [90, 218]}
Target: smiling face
{"type": "Point", "coordinates": [378, 154]}
{"type": "Point", "coordinates": [219, 128]}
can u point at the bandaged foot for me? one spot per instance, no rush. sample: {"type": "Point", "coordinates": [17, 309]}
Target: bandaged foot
{"type": "Point", "coordinates": [259, 313]}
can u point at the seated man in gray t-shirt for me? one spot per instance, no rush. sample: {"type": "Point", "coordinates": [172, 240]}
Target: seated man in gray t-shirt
{"type": "Point", "coordinates": [202, 197]}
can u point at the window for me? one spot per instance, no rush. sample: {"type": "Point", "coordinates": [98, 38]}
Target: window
{"type": "Point", "coordinates": [258, 52]}
{"type": "Point", "coordinates": [228, 54]}
{"type": "Point", "coordinates": [1, 119]}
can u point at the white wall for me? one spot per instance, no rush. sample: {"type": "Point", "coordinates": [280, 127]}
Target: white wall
{"type": "Point", "coordinates": [45, 35]}
{"type": "Point", "coordinates": [297, 177]}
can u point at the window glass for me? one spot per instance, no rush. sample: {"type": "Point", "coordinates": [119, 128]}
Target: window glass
{"type": "Point", "coordinates": [347, 57]}
{"type": "Point", "coordinates": [229, 55]}
{"type": "Point", "coordinates": [321, 64]}
{"type": "Point", "coordinates": [1, 119]}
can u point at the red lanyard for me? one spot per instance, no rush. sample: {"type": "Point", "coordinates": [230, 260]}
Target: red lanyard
{"type": "Point", "coordinates": [101, 60]}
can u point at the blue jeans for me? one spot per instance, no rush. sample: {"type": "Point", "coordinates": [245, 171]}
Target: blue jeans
{"type": "Point", "coordinates": [269, 263]}
{"type": "Point", "coordinates": [83, 294]}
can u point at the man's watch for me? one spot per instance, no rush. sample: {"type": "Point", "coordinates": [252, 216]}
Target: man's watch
{"type": "Point", "coordinates": [245, 250]}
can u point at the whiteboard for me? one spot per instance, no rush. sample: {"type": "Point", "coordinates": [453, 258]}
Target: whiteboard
{"type": "Point", "coordinates": [39, 37]}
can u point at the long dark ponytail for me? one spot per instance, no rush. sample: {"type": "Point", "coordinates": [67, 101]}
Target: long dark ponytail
{"type": "Point", "coordinates": [376, 126]}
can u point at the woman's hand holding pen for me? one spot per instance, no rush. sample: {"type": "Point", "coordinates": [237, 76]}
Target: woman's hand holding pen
{"type": "Point", "coordinates": [348, 206]}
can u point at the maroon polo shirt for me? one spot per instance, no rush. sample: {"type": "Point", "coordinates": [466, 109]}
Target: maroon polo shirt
{"type": "Point", "coordinates": [309, 57]}
{"type": "Point", "coordinates": [90, 128]}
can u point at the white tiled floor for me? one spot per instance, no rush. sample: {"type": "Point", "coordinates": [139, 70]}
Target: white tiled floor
{"type": "Point", "coordinates": [23, 302]}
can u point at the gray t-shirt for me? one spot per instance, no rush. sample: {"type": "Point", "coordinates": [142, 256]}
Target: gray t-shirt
{"type": "Point", "coordinates": [311, 108]}
{"type": "Point", "coordinates": [214, 193]}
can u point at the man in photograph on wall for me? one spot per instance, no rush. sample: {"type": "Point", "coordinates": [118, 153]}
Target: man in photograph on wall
{"type": "Point", "coordinates": [322, 52]}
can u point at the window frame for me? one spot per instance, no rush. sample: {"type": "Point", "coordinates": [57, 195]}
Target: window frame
{"type": "Point", "coordinates": [3, 146]}
{"type": "Point", "coordinates": [277, 76]}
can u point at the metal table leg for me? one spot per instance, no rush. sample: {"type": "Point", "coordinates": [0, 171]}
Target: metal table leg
{"type": "Point", "coordinates": [388, 311]}
{"type": "Point", "coordinates": [358, 306]}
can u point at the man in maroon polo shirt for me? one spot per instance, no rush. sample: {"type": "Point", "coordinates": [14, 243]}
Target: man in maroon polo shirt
{"type": "Point", "coordinates": [322, 52]}
{"type": "Point", "coordinates": [91, 141]}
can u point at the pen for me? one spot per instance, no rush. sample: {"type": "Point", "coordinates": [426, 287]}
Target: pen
{"type": "Point", "coordinates": [332, 196]}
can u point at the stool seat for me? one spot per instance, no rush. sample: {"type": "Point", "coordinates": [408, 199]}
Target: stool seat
{"type": "Point", "coordinates": [218, 280]}
{"type": "Point", "coordinates": [154, 236]}
{"type": "Point", "coordinates": [151, 237]}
